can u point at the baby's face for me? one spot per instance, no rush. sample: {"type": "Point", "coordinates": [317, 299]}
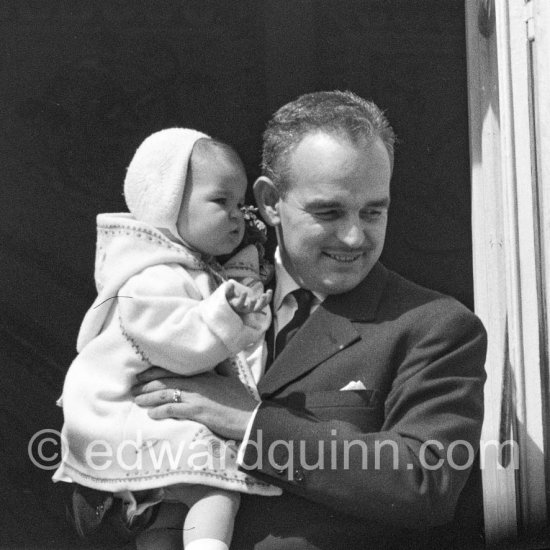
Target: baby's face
{"type": "Point", "coordinates": [210, 219]}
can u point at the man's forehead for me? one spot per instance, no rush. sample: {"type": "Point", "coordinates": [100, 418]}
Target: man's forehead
{"type": "Point", "coordinates": [321, 150]}
{"type": "Point", "coordinates": [342, 136]}
{"type": "Point", "coordinates": [335, 201]}
{"type": "Point", "coordinates": [321, 153]}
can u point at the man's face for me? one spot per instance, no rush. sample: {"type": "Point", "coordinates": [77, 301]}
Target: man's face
{"type": "Point", "coordinates": [332, 222]}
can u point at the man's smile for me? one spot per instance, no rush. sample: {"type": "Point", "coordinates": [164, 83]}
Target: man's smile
{"type": "Point", "coordinates": [344, 257]}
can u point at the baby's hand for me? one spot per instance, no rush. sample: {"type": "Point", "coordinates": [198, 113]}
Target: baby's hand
{"type": "Point", "coordinates": [240, 299]}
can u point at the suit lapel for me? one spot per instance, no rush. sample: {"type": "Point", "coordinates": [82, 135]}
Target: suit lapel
{"type": "Point", "coordinates": [328, 331]}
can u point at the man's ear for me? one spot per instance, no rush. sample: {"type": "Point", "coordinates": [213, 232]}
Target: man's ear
{"type": "Point", "coordinates": [267, 198]}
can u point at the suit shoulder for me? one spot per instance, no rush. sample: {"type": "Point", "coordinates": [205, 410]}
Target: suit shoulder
{"type": "Point", "coordinates": [404, 297]}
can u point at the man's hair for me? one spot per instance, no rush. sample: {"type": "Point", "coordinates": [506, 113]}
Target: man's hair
{"type": "Point", "coordinates": [335, 112]}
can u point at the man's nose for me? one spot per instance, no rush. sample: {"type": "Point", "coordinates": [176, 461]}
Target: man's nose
{"type": "Point", "coordinates": [352, 232]}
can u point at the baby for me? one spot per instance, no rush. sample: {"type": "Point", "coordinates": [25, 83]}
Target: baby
{"type": "Point", "coordinates": [164, 300]}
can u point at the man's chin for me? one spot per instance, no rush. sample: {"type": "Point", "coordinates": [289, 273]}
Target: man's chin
{"type": "Point", "coordinates": [329, 281]}
{"type": "Point", "coordinates": [339, 285]}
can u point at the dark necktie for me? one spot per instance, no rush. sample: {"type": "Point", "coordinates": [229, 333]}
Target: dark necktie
{"type": "Point", "coordinates": [304, 299]}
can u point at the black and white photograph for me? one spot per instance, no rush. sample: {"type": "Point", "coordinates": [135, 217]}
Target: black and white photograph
{"type": "Point", "coordinates": [275, 274]}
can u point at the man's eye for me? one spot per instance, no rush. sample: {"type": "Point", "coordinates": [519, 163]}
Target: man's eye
{"type": "Point", "coordinates": [326, 214]}
{"type": "Point", "coordinates": [373, 215]}
{"type": "Point", "coordinates": [220, 200]}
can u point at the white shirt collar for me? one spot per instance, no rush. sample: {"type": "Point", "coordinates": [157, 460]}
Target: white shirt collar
{"type": "Point", "coordinates": [286, 284]}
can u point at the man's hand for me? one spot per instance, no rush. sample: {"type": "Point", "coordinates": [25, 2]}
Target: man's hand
{"type": "Point", "coordinates": [221, 403]}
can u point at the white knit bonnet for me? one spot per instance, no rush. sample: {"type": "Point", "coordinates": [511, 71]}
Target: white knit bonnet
{"type": "Point", "coordinates": [156, 176]}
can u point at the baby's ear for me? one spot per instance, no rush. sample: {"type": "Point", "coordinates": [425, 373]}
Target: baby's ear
{"type": "Point", "coordinates": [267, 198]}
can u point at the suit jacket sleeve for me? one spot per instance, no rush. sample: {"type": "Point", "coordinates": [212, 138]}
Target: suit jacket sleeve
{"type": "Point", "coordinates": [409, 469]}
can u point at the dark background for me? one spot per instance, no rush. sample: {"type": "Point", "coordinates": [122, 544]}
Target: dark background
{"type": "Point", "coordinates": [83, 83]}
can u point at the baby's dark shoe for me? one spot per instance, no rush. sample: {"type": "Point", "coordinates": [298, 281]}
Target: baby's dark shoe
{"type": "Point", "coordinates": [99, 516]}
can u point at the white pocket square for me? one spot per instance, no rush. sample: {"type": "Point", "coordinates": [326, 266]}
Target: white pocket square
{"type": "Point", "coordinates": [354, 385]}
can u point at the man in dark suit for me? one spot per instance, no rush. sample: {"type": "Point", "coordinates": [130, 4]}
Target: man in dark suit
{"type": "Point", "coordinates": [372, 408]}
